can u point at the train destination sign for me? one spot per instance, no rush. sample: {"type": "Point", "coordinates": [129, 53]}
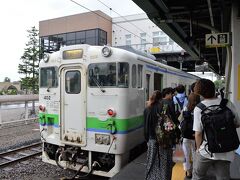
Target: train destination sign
{"type": "Point", "coordinates": [217, 40]}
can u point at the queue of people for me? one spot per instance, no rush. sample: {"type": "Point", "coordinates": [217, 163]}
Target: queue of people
{"type": "Point", "coordinates": [171, 115]}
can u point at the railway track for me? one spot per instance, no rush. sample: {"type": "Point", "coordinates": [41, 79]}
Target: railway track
{"type": "Point", "coordinates": [19, 154]}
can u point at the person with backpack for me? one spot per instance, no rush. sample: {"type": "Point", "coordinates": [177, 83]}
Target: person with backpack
{"type": "Point", "coordinates": [186, 127]}
{"type": "Point", "coordinates": [215, 123]}
{"type": "Point", "coordinates": [159, 131]}
{"type": "Point", "coordinates": [180, 99]}
{"type": "Point", "coordinates": [168, 141]}
{"type": "Point", "coordinates": [150, 121]}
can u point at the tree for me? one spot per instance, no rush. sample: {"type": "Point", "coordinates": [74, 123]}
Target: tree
{"type": "Point", "coordinates": [30, 62]}
{"type": "Point", "coordinates": [7, 79]}
{"type": "Point", "coordinates": [219, 84]}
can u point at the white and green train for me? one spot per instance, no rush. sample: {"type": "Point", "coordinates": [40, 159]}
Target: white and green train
{"type": "Point", "coordinates": [91, 103]}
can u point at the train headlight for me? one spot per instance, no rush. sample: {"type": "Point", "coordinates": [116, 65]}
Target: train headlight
{"type": "Point", "coordinates": [106, 51]}
{"type": "Point", "coordinates": [45, 58]}
{"type": "Point", "coordinates": [102, 139]}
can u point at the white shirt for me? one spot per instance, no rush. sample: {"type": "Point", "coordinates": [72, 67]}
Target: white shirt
{"type": "Point", "coordinates": [197, 126]}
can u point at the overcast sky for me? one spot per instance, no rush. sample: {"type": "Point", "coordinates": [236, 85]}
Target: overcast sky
{"type": "Point", "coordinates": [18, 16]}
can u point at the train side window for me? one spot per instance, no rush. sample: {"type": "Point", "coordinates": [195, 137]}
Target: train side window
{"type": "Point", "coordinates": [134, 76]}
{"type": "Point", "coordinates": [73, 82]}
{"type": "Point", "coordinates": [140, 69]}
{"type": "Point", "coordinates": [148, 76]}
{"type": "Point", "coordinates": [123, 75]}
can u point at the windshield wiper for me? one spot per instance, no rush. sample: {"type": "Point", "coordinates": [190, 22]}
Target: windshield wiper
{"type": "Point", "coordinates": [49, 85]}
{"type": "Point", "coordinates": [98, 84]}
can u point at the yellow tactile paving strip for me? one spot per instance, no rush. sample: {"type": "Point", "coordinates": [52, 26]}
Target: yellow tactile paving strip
{"type": "Point", "coordinates": [178, 172]}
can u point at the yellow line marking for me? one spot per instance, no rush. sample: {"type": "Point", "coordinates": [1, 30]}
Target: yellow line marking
{"type": "Point", "coordinates": [178, 173]}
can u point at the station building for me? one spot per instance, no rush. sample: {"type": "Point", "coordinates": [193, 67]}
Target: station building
{"type": "Point", "coordinates": [85, 28]}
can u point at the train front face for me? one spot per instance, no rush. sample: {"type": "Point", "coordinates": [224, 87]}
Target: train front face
{"type": "Point", "coordinates": [85, 124]}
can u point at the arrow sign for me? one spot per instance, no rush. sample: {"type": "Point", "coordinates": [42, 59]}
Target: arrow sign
{"type": "Point", "coordinates": [211, 38]}
{"type": "Point", "coordinates": [217, 40]}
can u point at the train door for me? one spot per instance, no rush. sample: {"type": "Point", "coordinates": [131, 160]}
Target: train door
{"type": "Point", "coordinates": [158, 81]}
{"type": "Point", "coordinates": [73, 107]}
{"type": "Point", "coordinates": [148, 84]}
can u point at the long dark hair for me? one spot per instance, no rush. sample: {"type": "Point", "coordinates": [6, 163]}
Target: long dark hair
{"type": "Point", "coordinates": [193, 100]}
{"type": "Point", "coordinates": [154, 98]}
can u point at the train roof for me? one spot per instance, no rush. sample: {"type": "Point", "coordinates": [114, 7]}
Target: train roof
{"type": "Point", "coordinates": [130, 49]}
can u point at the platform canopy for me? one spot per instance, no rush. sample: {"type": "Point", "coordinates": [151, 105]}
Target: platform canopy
{"type": "Point", "coordinates": [188, 21]}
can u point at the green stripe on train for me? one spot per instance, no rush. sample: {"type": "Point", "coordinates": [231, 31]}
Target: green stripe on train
{"type": "Point", "coordinates": [119, 124]}
{"type": "Point", "coordinates": [95, 123]}
{"type": "Point", "coordinates": [49, 119]}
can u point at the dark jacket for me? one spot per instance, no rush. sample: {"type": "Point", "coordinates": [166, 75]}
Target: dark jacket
{"type": "Point", "coordinates": [150, 117]}
{"type": "Point", "coordinates": [150, 120]}
{"type": "Point", "coordinates": [171, 110]}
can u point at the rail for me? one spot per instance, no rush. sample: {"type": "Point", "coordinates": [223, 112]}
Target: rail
{"type": "Point", "coordinates": [20, 154]}
{"type": "Point", "coordinates": [15, 99]}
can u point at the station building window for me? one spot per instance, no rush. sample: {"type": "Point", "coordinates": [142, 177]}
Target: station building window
{"type": "Point", "coordinates": [171, 42]}
{"type": "Point", "coordinates": [128, 39]}
{"type": "Point", "coordinates": [71, 37]}
{"type": "Point", "coordinates": [156, 38]}
{"type": "Point", "coordinates": [52, 43]}
{"type": "Point", "coordinates": [143, 41]}
{"type": "Point", "coordinates": [81, 37]}
{"type": "Point", "coordinates": [163, 40]}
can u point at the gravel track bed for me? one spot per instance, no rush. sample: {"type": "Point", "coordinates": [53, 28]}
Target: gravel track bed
{"type": "Point", "coordinates": [35, 169]}
{"type": "Point", "coordinates": [13, 137]}
{"type": "Point", "coordinates": [32, 169]}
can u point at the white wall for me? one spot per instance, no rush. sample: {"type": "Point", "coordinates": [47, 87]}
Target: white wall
{"type": "Point", "coordinates": [235, 74]}
{"type": "Point", "coordinates": [134, 25]}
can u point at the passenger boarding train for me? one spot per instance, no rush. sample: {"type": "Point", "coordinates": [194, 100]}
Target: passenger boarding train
{"type": "Point", "coordinates": [91, 103]}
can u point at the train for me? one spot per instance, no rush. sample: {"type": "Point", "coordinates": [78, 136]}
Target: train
{"type": "Point", "coordinates": [91, 103]}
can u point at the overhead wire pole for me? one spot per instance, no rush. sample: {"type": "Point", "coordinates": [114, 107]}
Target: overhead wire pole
{"type": "Point", "coordinates": [105, 18]}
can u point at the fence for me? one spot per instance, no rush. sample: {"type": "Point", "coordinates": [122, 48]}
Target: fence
{"type": "Point", "coordinates": [11, 99]}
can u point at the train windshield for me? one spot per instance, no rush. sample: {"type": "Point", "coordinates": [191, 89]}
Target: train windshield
{"type": "Point", "coordinates": [48, 77]}
{"type": "Point", "coordinates": [108, 75]}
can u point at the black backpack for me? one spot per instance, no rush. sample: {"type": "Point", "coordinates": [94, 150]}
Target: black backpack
{"type": "Point", "coordinates": [218, 125]}
{"type": "Point", "coordinates": [186, 125]}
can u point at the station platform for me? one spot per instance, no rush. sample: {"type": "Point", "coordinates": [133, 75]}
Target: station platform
{"type": "Point", "coordinates": [136, 169]}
